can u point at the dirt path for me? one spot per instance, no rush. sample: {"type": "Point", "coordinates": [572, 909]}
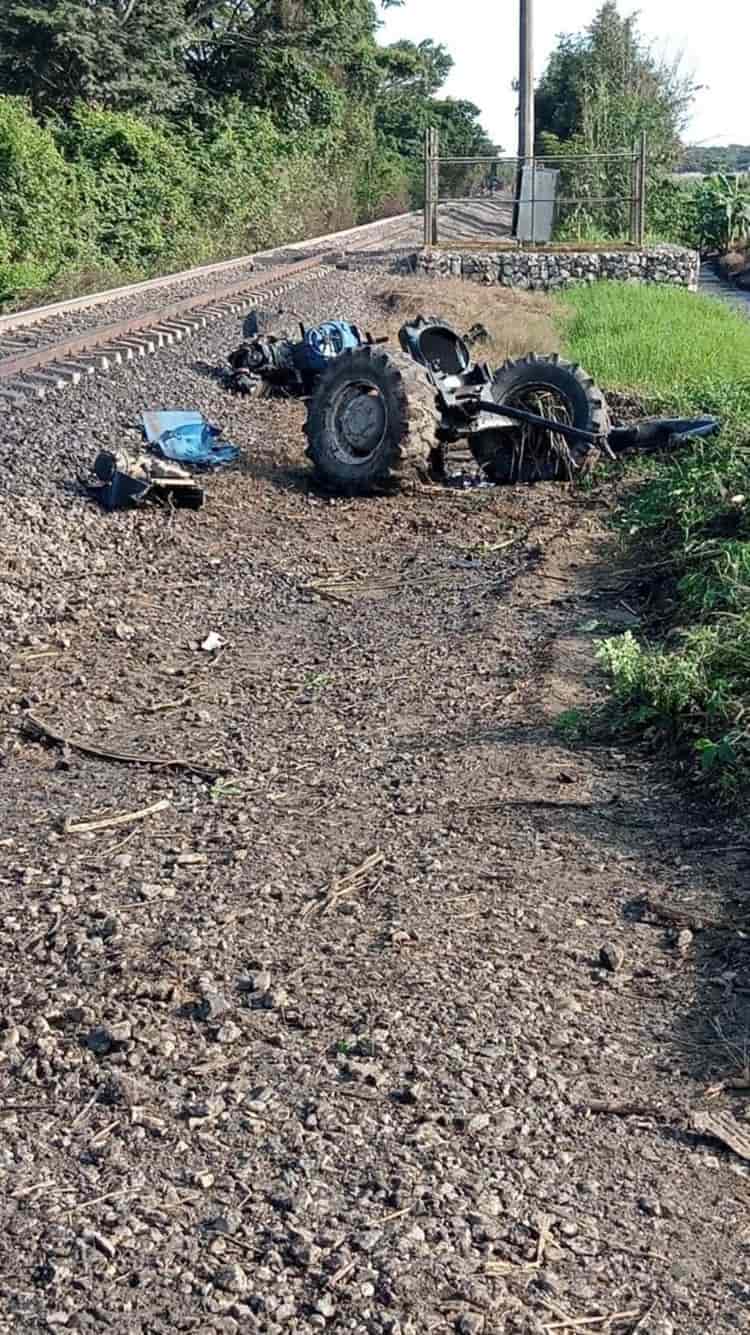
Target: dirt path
{"type": "Point", "coordinates": [713, 285]}
{"type": "Point", "coordinates": [312, 1046]}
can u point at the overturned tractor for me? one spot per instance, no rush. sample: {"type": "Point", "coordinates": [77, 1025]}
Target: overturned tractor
{"type": "Point", "coordinates": [429, 409]}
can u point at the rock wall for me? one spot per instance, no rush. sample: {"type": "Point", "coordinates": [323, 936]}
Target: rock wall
{"type": "Point", "coordinates": [544, 271]}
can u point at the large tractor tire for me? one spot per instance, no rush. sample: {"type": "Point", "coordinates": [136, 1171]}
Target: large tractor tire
{"type": "Point", "coordinates": [372, 413]}
{"type": "Point", "coordinates": [550, 388]}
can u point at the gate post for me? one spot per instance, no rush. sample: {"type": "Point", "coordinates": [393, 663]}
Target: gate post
{"type": "Point", "coordinates": [634, 176]}
{"type": "Point", "coordinates": [431, 186]}
{"type": "Point", "coordinates": [435, 186]}
{"type": "Point", "coordinates": [642, 186]}
{"type": "Point", "coordinates": [427, 223]}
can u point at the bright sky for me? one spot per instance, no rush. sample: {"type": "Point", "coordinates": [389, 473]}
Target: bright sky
{"type": "Point", "coordinates": [482, 37]}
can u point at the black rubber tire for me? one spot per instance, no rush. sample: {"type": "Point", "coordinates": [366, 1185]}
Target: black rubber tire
{"type": "Point", "coordinates": [411, 418]}
{"type": "Point", "coordinates": [503, 458]}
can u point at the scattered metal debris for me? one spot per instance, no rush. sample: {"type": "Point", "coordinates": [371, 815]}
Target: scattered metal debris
{"type": "Point", "coordinates": [289, 363]}
{"type": "Point", "coordinates": [127, 479]}
{"type": "Point", "coordinates": [174, 439]}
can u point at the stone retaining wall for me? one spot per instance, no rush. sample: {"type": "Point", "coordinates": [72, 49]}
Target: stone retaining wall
{"type": "Point", "coordinates": [544, 270]}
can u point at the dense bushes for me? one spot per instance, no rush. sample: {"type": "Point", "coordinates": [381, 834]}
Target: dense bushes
{"type": "Point", "coordinates": [40, 210]}
{"type": "Point", "coordinates": [107, 190]}
{"type": "Point", "coordinates": [136, 136]}
{"type": "Point", "coordinates": [712, 215]}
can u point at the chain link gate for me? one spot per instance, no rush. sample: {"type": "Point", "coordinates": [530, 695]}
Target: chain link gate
{"type": "Point", "coordinates": [513, 201]}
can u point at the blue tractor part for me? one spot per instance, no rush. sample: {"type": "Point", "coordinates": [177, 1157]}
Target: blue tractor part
{"type": "Point", "coordinates": [326, 341]}
{"type": "Point", "coordinates": [290, 365]}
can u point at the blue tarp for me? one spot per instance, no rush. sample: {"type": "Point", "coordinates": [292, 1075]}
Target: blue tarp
{"type": "Point", "coordinates": [187, 438]}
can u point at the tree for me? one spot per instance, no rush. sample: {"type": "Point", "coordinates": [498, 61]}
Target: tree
{"type": "Point", "coordinates": [158, 55]}
{"type": "Point", "coordinates": [411, 76]}
{"type": "Point", "coordinates": [414, 69]}
{"type": "Point", "coordinates": [127, 54]}
{"type": "Point", "coordinates": [602, 87]}
{"type": "Point", "coordinates": [729, 158]}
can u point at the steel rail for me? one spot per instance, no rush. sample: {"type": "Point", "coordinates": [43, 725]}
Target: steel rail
{"type": "Point", "coordinates": [68, 349]}
{"type": "Point", "coordinates": [60, 364]}
{"type": "Point", "coordinates": [37, 314]}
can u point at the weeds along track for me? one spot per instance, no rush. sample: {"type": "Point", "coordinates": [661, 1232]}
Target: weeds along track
{"type": "Point", "coordinates": [56, 346]}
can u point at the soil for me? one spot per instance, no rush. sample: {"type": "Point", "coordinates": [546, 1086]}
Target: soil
{"type": "Point", "coordinates": [395, 1023]}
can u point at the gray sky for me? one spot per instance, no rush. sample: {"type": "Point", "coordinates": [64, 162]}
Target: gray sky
{"type": "Point", "coordinates": [482, 37]}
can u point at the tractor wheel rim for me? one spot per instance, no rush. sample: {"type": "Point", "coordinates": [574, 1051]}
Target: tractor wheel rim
{"type": "Point", "coordinates": [360, 418]}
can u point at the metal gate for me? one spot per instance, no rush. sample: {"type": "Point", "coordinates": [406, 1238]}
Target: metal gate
{"type": "Point", "coordinates": [512, 201]}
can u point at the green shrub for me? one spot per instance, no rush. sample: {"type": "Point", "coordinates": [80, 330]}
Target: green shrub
{"type": "Point", "coordinates": [697, 693]}
{"type": "Point", "coordinates": [110, 191]}
{"type": "Point", "coordinates": [723, 204]}
{"type": "Point", "coordinates": [40, 208]}
{"type": "Point", "coordinates": [673, 212]}
{"type": "Point", "coordinates": [712, 215]}
{"type": "Point", "coordinates": [138, 183]}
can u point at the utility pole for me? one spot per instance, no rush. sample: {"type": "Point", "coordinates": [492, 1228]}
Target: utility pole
{"type": "Point", "coordinates": [526, 81]}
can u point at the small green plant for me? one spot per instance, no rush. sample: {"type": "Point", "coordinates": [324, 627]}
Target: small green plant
{"type": "Point", "coordinates": [696, 695]}
{"type": "Point", "coordinates": [317, 681]}
{"type": "Point", "coordinates": [223, 789]}
{"type": "Point", "coordinates": [570, 725]}
{"type": "Point", "coordinates": [716, 754]}
{"type": "Point", "coordinates": [723, 208]}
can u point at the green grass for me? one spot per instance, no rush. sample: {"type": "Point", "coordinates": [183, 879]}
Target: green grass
{"type": "Point", "coordinates": [678, 350]}
{"type": "Point", "coordinates": [688, 516]}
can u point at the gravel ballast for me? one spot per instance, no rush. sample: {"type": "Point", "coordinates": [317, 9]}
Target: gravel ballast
{"type": "Point", "coordinates": [313, 1044]}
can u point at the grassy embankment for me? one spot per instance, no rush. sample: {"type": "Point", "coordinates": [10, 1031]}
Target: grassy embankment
{"type": "Point", "coordinates": [687, 517]}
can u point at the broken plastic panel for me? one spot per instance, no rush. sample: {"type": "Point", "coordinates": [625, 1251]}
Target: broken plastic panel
{"type": "Point", "coordinates": [187, 438]}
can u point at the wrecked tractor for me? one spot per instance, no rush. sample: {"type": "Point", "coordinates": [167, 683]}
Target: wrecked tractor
{"type": "Point", "coordinates": [429, 410]}
{"type": "Point", "coordinates": [273, 358]}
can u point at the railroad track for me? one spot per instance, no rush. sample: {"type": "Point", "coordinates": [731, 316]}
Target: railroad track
{"type": "Point", "coordinates": [31, 365]}
{"type": "Point", "coordinates": [64, 362]}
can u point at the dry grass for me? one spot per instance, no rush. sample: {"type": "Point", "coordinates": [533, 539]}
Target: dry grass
{"type": "Point", "coordinates": [517, 322]}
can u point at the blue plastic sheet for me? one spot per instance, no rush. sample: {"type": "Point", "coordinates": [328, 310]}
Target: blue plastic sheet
{"type": "Point", "coordinates": [187, 438]}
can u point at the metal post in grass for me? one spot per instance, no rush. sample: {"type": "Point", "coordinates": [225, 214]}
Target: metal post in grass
{"type": "Point", "coordinates": [427, 185]}
{"type": "Point", "coordinates": [642, 162]}
{"type": "Point", "coordinates": [633, 227]}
